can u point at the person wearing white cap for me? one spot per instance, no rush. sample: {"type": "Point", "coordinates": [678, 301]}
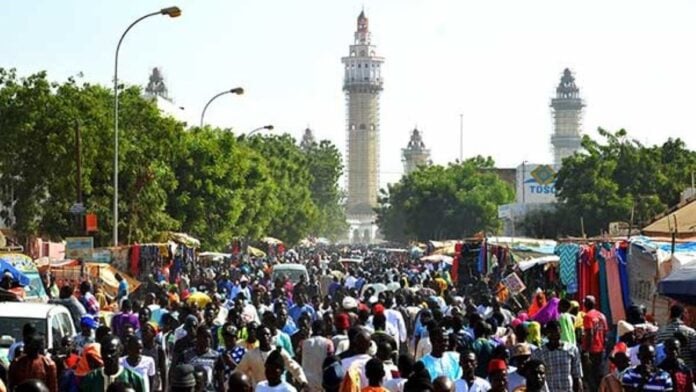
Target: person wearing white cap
{"type": "Point", "coordinates": [349, 303]}
{"type": "Point", "coordinates": [242, 287]}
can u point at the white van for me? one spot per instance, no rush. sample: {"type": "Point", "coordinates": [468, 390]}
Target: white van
{"type": "Point", "coordinates": [293, 271]}
{"type": "Point", "coordinates": [53, 322]}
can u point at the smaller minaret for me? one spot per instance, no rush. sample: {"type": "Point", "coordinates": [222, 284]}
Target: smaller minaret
{"type": "Point", "coordinates": [308, 140]}
{"type": "Point", "coordinates": [567, 114]}
{"type": "Point", "coordinates": [415, 154]}
{"type": "Point", "coordinates": [156, 86]}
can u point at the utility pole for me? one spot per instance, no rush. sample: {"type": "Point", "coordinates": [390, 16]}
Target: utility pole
{"type": "Point", "coordinates": [524, 175]}
{"type": "Point", "coordinates": [78, 208]}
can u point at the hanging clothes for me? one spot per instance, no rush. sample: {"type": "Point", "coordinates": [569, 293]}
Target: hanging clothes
{"type": "Point", "coordinates": [135, 261]}
{"type": "Point", "coordinates": [589, 272]}
{"type": "Point", "coordinates": [568, 254]}
{"type": "Point", "coordinates": [482, 258]}
{"type": "Point", "coordinates": [603, 284]}
{"type": "Point", "coordinates": [618, 312]}
{"type": "Point", "coordinates": [622, 259]}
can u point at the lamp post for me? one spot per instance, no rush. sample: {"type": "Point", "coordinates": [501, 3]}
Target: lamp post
{"type": "Point", "coordinates": [172, 12]}
{"type": "Point", "coordinates": [238, 91]}
{"type": "Point", "coordinates": [266, 127]}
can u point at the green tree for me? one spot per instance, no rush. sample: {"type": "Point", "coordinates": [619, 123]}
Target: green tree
{"type": "Point", "coordinates": [223, 188]}
{"type": "Point", "coordinates": [618, 178]}
{"type": "Point", "coordinates": [325, 168]}
{"type": "Point", "coordinates": [38, 120]}
{"type": "Point", "coordinates": [290, 203]}
{"type": "Point", "coordinates": [437, 202]}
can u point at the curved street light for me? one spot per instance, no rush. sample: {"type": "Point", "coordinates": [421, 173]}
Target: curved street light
{"type": "Point", "coordinates": [172, 12]}
{"type": "Point", "coordinates": [237, 91]}
{"type": "Point", "coordinates": [266, 127]}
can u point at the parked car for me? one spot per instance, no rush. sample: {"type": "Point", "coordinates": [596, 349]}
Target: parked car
{"type": "Point", "coordinates": [35, 291]}
{"type": "Point", "coordinates": [293, 271]}
{"type": "Point", "coordinates": [53, 322]}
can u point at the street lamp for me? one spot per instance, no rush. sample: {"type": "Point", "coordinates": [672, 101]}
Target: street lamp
{"type": "Point", "coordinates": [266, 127]}
{"type": "Point", "coordinates": [238, 91]}
{"type": "Point", "coordinates": [172, 12]}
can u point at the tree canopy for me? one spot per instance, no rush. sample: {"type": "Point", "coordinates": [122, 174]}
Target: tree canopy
{"type": "Point", "coordinates": [440, 202]}
{"type": "Point", "coordinates": [615, 179]}
{"type": "Point", "coordinates": [207, 182]}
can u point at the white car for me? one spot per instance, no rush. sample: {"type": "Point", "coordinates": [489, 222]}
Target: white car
{"type": "Point", "coordinates": [53, 322]}
{"type": "Point", "coordinates": [293, 271]}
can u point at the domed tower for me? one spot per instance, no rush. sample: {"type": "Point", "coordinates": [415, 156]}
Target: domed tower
{"type": "Point", "coordinates": [567, 114]}
{"type": "Point", "coordinates": [308, 140]}
{"type": "Point", "coordinates": [362, 83]}
{"type": "Point", "coordinates": [415, 154]}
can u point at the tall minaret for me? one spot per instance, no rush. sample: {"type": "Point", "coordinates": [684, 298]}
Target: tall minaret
{"type": "Point", "coordinates": [415, 154]}
{"type": "Point", "coordinates": [362, 84]}
{"type": "Point", "coordinates": [567, 113]}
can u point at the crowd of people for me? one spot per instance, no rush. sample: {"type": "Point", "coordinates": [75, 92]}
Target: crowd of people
{"type": "Point", "coordinates": [390, 323]}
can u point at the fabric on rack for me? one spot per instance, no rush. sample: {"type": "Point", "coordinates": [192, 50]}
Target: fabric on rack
{"type": "Point", "coordinates": [603, 285]}
{"type": "Point", "coordinates": [589, 272]}
{"type": "Point", "coordinates": [622, 259]}
{"type": "Point", "coordinates": [481, 262]}
{"type": "Point", "coordinates": [616, 303]}
{"type": "Point", "coordinates": [135, 260]}
{"type": "Point", "coordinates": [177, 265]}
{"type": "Point", "coordinates": [568, 254]}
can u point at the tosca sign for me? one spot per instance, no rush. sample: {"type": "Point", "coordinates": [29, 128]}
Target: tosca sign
{"type": "Point", "coordinates": [536, 183]}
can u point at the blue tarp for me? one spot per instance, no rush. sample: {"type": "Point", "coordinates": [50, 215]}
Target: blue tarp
{"type": "Point", "coordinates": [679, 247]}
{"type": "Point", "coordinates": [680, 285]}
{"type": "Point", "coordinates": [5, 266]}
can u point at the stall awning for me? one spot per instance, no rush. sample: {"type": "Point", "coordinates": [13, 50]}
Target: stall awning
{"type": "Point", "coordinates": [681, 220]}
{"type": "Point", "coordinates": [680, 285]}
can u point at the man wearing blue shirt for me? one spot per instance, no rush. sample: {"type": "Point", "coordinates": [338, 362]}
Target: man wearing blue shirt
{"type": "Point", "coordinates": [301, 307]}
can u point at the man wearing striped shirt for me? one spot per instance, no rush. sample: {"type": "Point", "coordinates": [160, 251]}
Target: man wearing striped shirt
{"type": "Point", "coordinates": [676, 324]}
{"type": "Point", "coordinates": [646, 376]}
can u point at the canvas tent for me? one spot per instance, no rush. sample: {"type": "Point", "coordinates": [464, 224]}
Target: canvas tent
{"type": "Point", "coordinates": [680, 285]}
{"type": "Point", "coordinates": [681, 221]}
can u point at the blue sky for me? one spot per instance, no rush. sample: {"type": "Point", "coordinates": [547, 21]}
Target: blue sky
{"type": "Point", "coordinates": [496, 61]}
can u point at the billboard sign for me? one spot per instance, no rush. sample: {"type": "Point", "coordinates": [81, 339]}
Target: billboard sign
{"type": "Point", "coordinates": [79, 247]}
{"type": "Point", "coordinates": [536, 183]}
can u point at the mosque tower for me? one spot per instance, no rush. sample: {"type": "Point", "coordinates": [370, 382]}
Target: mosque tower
{"type": "Point", "coordinates": [362, 84]}
{"type": "Point", "coordinates": [415, 154]}
{"type": "Point", "coordinates": [567, 114]}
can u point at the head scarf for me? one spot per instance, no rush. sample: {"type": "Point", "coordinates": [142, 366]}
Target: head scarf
{"type": "Point", "coordinates": [548, 312]}
{"type": "Point", "coordinates": [92, 351]}
{"type": "Point", "coordinates": [533, 333]}
{"type": "Point", "coordinates": [536, 305]}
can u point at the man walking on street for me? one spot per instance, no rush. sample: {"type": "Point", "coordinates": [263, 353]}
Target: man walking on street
{"type": "Point", "coordinates": [595, 329]}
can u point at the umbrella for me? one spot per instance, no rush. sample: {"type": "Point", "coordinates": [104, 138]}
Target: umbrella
{"type": "Point", "coordinates": [256, 252]}
{"type": "Point", "coordinates": [679, 285]}
{"type": "Point", "coordinates": [438, 258]}
{"type": "Point", "coordinates": [200, 299]}
{"type": "Point", "coordinates": [5, 266]}
{"type": "Point", "coordinates": [426, 291]}
{"type": "Point", "coordinates": [377, 287]}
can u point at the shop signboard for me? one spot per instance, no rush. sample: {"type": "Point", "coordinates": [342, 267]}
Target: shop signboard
{"type": "Point", "coordinates": [536, 183]}
{"type": "Point", "coordinates": [101, 256]}
{"type": "Point", "coordinates": [514, 283]}
{"type": "Point", "coordinates": [79, 247]}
